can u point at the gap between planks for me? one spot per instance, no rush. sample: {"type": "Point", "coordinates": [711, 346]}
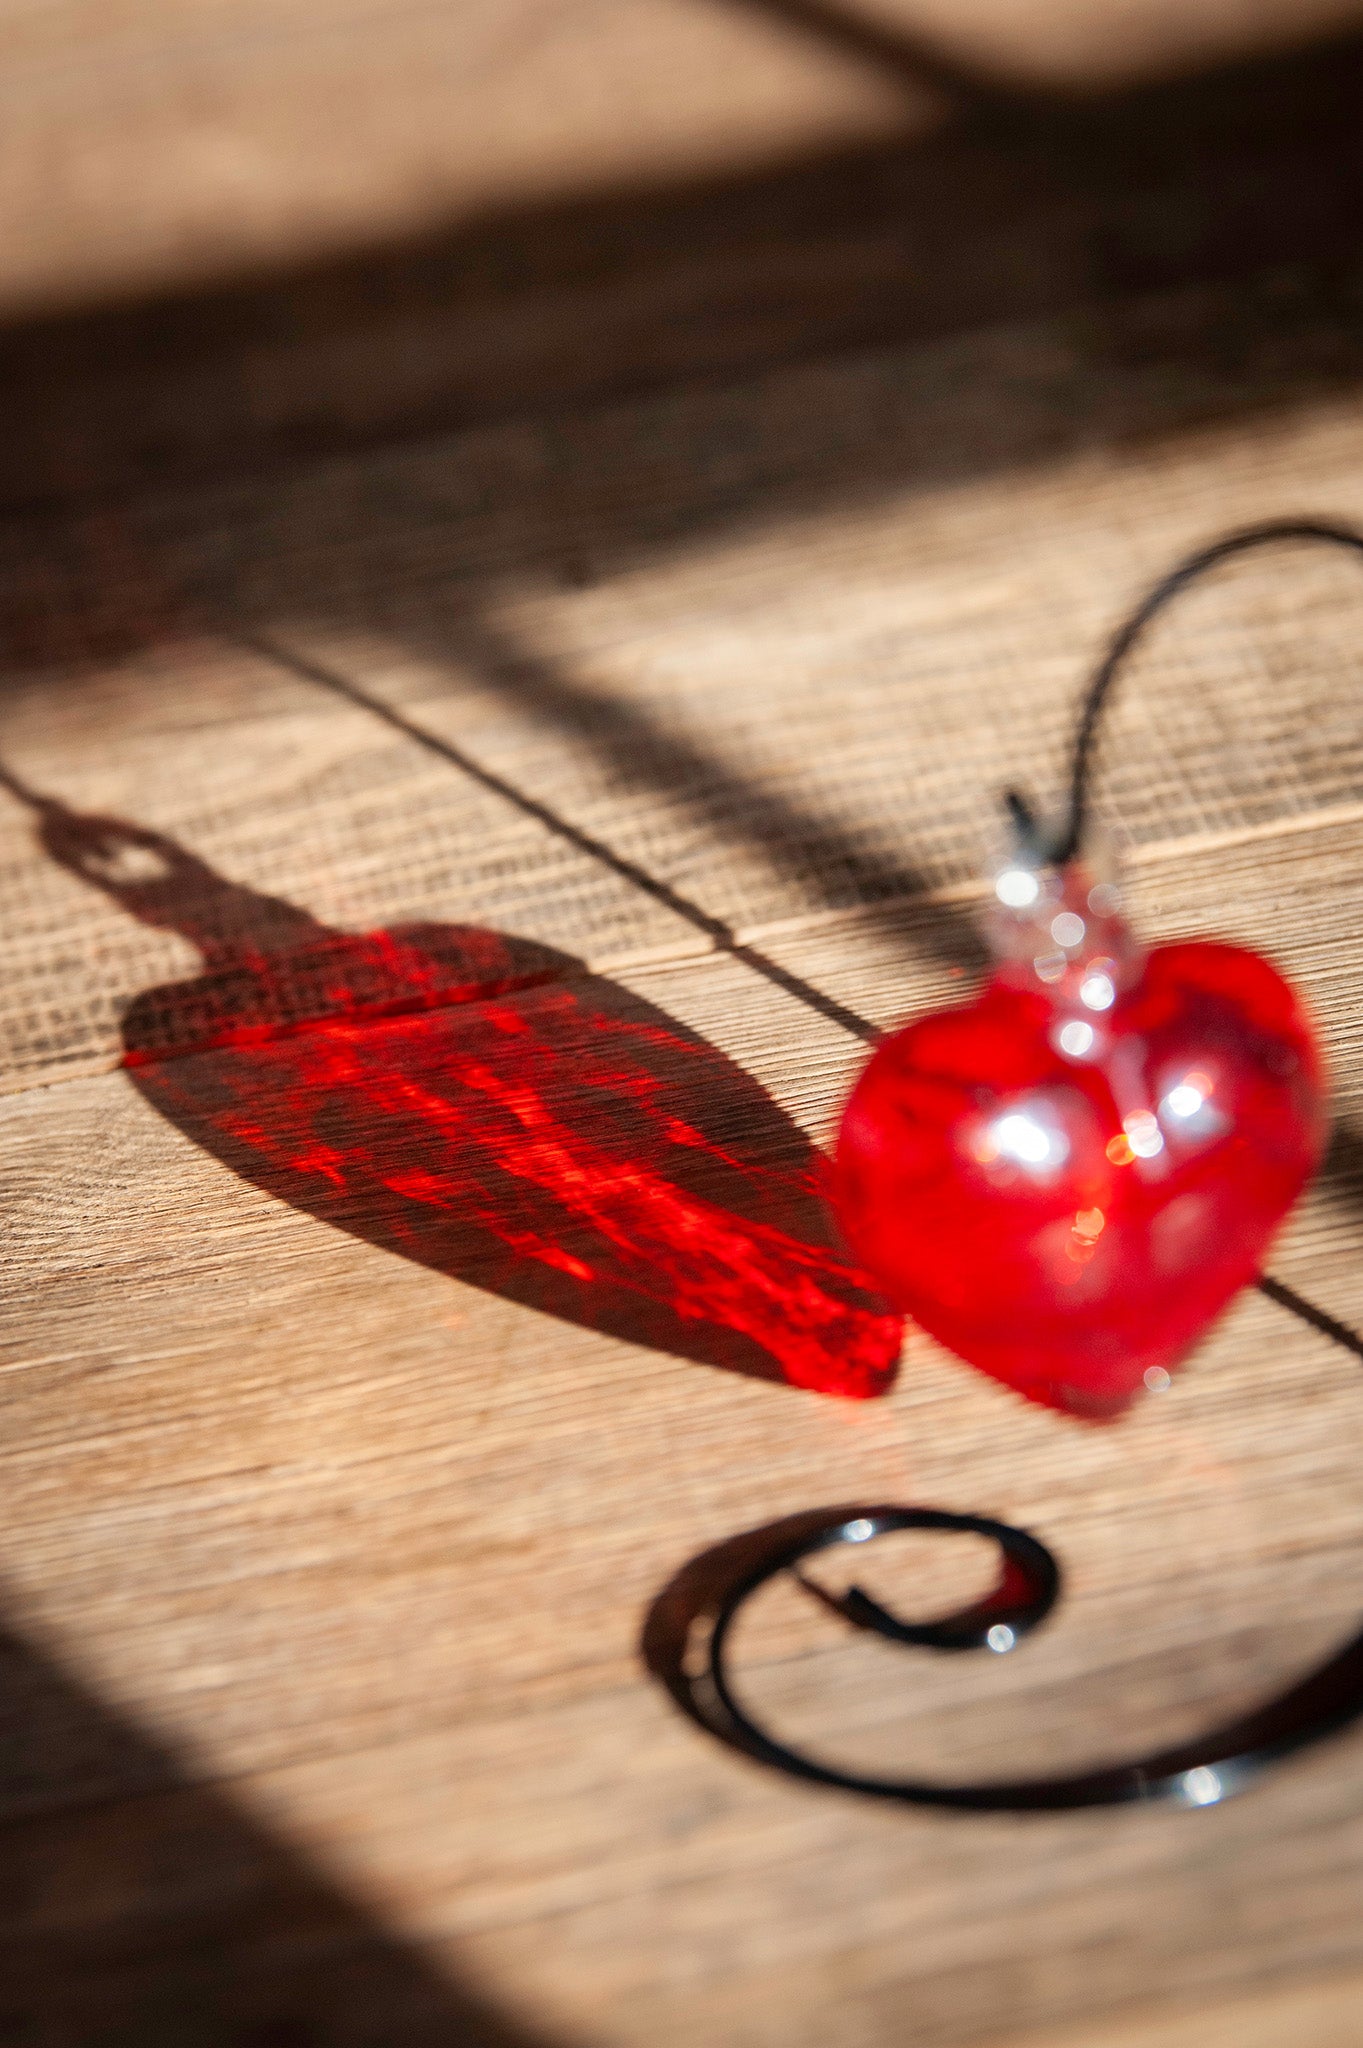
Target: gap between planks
{"type": "Point", "coordinates": [687, 952]}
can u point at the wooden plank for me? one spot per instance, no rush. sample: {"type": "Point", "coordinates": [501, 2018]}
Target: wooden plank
{"type": "Point", "coordinates": [694, 656]}
{"type": "Point", "coordinates": [169, 142]}
{"type": "Point", "coordinates": [753, 214]}
{"type": "Point", "coordinates": [325, 1548]}
{"type": "Point", "coordinates": [410, 1646]}
{"type": "Point", "coordinates": [1326, 2015]}
{"type": "Point", "coordinates": [172, 143]}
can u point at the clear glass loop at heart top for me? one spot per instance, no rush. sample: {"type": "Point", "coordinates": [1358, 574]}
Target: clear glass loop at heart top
{"type": "Point", "coordinates": [1059, 929]}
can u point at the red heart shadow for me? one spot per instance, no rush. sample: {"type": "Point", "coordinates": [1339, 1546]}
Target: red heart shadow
{"type": "Point", "coordinates": [485, 1106]}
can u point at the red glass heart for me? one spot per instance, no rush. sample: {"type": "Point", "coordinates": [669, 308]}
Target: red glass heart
{"type": "Point", "coordinates": [1072, 1220]}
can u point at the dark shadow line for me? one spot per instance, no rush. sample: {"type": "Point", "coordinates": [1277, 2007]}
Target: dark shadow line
{"type": "Point", "coordinates": [911, 58]}
{"type": "Point", "coordinates": [641, 751]}
{"type": "Point", "coordinates": [713, 928]}
{"type": "Point", "coordinates": [1298, 1305]}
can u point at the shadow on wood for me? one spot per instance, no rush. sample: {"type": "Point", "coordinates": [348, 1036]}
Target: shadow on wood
{"type": "Point", "coordinates": [484, 1106]}
{"type": "Point", "coordinates": [1194, 241]}
{"type": "Point", "coordinates": [144, 1911]}
{"type": "Point", "coordinates": [1022, 205]}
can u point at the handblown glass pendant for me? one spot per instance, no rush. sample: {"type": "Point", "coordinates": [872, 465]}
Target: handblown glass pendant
{"type": "Point", "coordinates": [1067, 1179]}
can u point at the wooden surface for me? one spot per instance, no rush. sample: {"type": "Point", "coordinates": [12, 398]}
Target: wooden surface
{"type": "Point", "coordinates": [153, 143]}
{"type": "Point", "coordinates": [1233, 193]}
{"type": "Point", "coordinates": [1326, 2015]}
{"type": "Point", "coordinates": [322, 1717]}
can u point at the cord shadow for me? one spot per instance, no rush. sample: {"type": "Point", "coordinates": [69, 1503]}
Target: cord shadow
{"type": "Point", "coordinates": [484, 1106]}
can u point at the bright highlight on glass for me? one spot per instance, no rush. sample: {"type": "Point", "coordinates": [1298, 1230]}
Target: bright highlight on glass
{"type": "Point", "coordinates": [1097, 992]}
{"type": "Point", "coordinates": [1022, 1138]}
{"type": "Point", "coordinates": [1000, 1638]}
{"type": "Point", "coordinates": [1017, 887]}
{"type": "Point", "coordinates": [1076, 1038]}
{"type": "Point", "coordinates": [1067, 929]}
{"type": "Point", "coordinates": [1184, 1101]}
{"type": "Point", "coordinates": [1143, 1134]}
{"type": "Point", "coordinates": [1203, 1786]}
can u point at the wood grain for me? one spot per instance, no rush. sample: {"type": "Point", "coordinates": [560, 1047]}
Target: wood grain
{"type": "Point", "coordinates": [522, 207]}
{"type": "Point", "coordinates": [321, 1713]}
{"type": "Point", "coordinates": [408, 1643]}
{"type": "Point", "coordinates": [143, 146]}
{"type": "Point", "coordinates": [1325, 2015]}
{"type": "Point", "coordinates": [167, 144]}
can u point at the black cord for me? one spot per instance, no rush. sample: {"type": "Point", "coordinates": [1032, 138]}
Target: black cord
{"type": "Point", "coordinates": [1093, 704]}
{"type": "Point", "coordinates": [1094, 700]}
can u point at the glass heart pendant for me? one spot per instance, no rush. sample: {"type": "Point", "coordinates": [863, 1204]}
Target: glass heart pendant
{"type": "Point", "coordinates": [1067, 1179]}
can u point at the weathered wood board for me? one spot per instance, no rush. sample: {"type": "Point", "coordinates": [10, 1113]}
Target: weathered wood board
{"type": "Point", "coordinates": [168, 143]}
{"type": "Point", "coordinates": [369, 1544]}
{"type": "Point", "coordinates": [325, 1551]}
